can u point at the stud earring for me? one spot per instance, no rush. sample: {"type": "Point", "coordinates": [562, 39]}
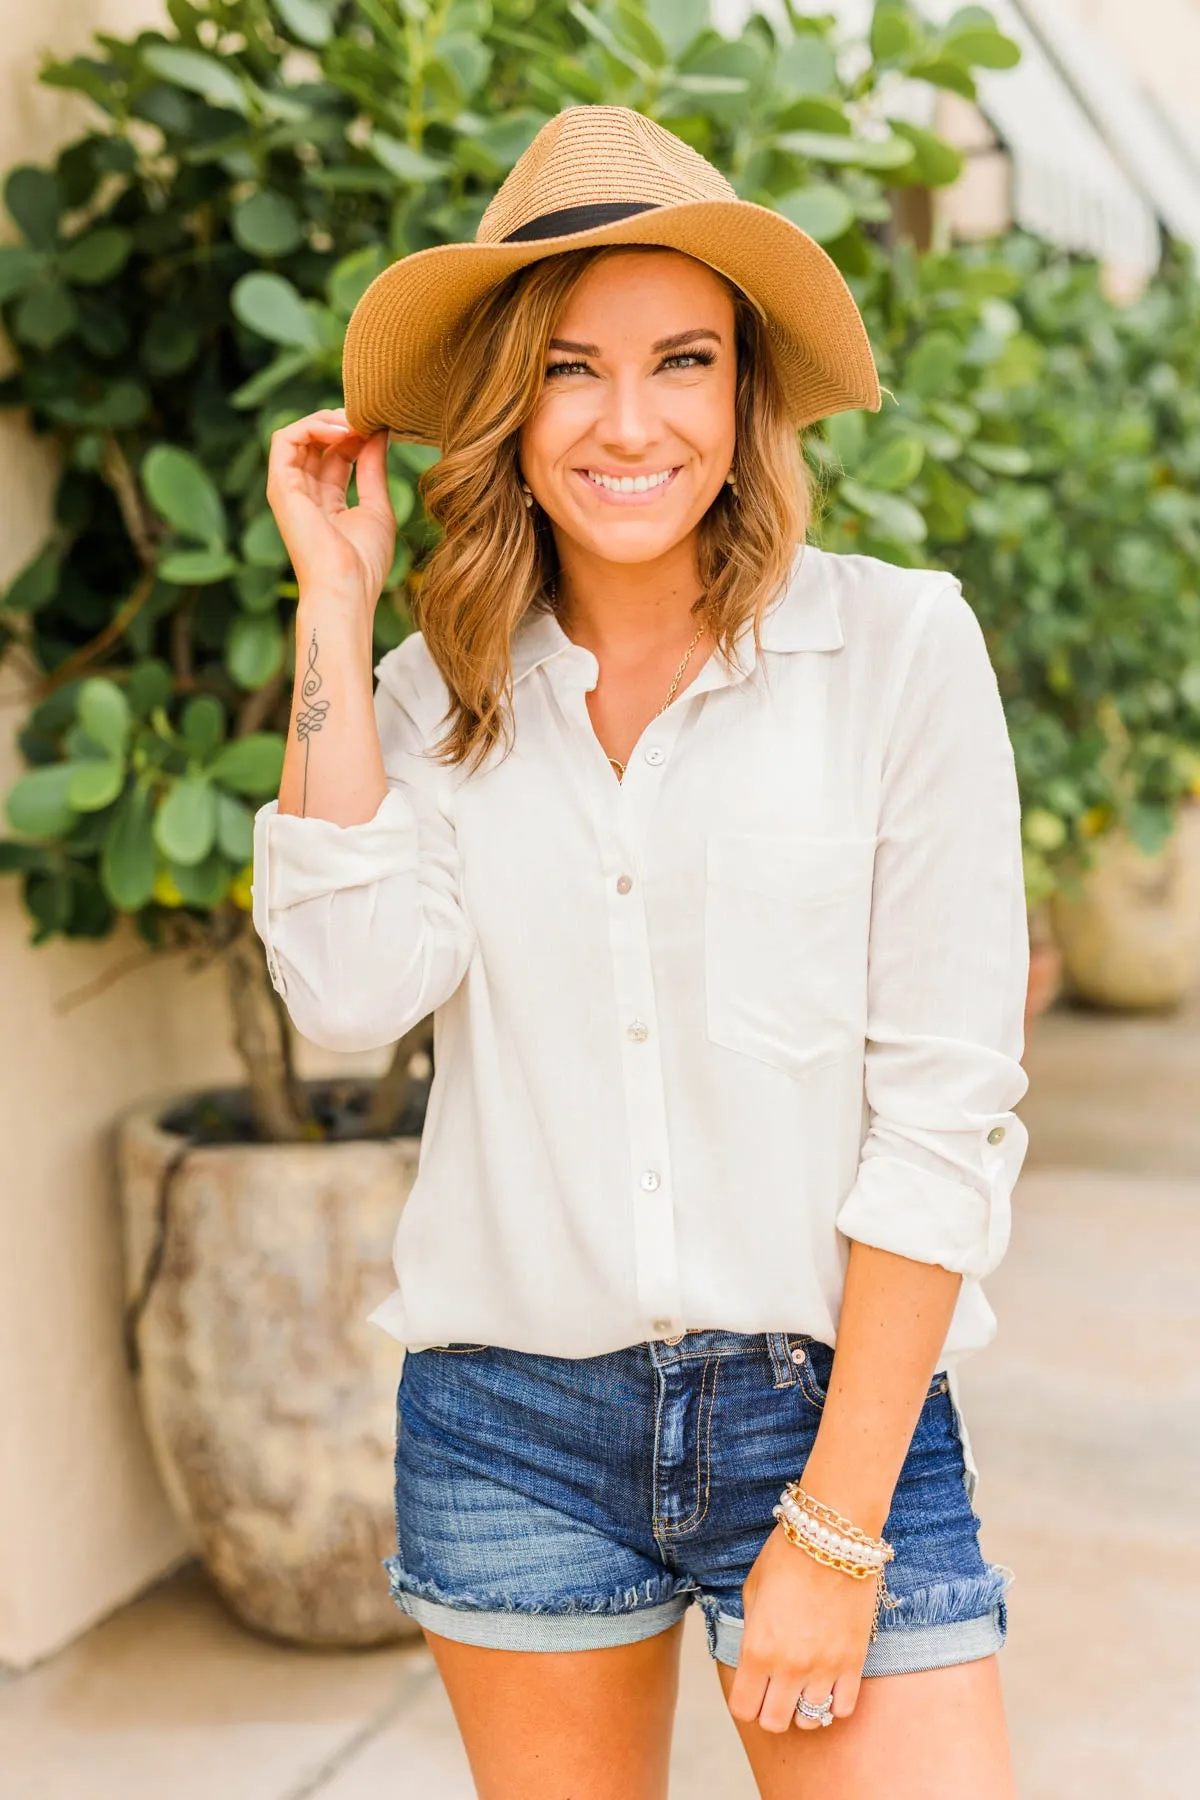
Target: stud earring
{"type": "Point", "coordinates": [731, 481]}
{"type": "Point", "coordinates": [527, 493]}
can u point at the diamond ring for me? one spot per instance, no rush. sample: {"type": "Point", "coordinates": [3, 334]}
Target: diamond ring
{"type": "Point", "coordinates": [822, 1710]}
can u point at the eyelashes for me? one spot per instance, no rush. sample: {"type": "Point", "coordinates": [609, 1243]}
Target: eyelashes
{"type": "Point", "coordinates": [705, 358]}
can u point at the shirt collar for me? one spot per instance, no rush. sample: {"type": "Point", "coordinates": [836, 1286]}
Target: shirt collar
{"type": "Point", "coordinates": [804, 617]}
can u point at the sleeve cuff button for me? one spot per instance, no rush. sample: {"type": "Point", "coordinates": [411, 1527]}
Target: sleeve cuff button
{"type": "Point", "coordinates": [995, 1134]}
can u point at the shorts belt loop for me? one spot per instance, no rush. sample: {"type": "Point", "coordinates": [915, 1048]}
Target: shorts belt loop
{"type": "Point", "coordinates": [781, 1360]}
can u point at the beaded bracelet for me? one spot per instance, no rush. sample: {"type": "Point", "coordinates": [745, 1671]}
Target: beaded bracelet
{"type": "Point", "coordinates": [836, 1541]}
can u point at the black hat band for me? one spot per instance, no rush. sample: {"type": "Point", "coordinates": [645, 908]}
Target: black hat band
{"type": "Point", "coordinates": [577, 218]}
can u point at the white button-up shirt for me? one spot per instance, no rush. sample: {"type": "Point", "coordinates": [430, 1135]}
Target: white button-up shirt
{"type": "Point", "coordinates": [696, 1030]}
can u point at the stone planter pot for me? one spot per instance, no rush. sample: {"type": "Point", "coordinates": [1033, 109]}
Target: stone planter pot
{"type": "Point", "coordinates": [269, 1400]}
{"type": "Point", "coordinates": [1131, 937]}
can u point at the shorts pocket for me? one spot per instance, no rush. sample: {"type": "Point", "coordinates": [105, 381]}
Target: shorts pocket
{"type": "Point", "coordinates": [786, 930]}
{"type": "Point", "coordinates": [815, 1371]}
{"type": "Point", "coordinates": [456, 1349]}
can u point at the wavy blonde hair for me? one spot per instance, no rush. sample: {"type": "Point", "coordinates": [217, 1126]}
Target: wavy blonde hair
{"type": "Point", "coordinates": [496, 558]}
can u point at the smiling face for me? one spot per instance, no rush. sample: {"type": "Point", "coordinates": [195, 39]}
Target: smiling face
{"type": "Point", "coordinates": [633, 433]}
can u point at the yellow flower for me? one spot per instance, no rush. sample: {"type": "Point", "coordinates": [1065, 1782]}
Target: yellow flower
{"type": "Point", "coordinates": [1095, 820]}
{"type": "Point", "coordinates": [165, 891]}
{"type": "Point", "coordinates": [240, 893]}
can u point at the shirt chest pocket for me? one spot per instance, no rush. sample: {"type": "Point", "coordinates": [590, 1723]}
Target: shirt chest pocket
{"type": "Point", "coordinates": [786, 929]}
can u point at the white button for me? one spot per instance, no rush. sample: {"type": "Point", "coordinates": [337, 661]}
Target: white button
{"type": "Point", "coordinates": [650, 1181]}
{"type": "Point", "coordinates": [798, 1356]}
{"type": "Point", "coordinates": [660, 1325]}
{"type": "Point", "coordinates": [624, 883]}
{"type": "Point", "coordinates": [639, 1032]}
{"type": "Point", "coordinates": [995, 1134]}
{"type": "Point", "coordinates": [655, 755]}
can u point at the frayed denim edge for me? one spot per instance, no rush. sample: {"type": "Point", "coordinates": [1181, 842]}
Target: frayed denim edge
{"type": "Point", "coordinates": [950, 1602]}
{"type": "Point", "coordinates": [654, 1591]}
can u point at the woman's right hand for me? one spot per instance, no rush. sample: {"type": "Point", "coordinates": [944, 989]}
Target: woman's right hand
{"type": "Point", "coordinates": [335, 549]}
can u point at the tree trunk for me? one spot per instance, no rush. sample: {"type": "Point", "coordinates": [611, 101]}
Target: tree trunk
{"type": "Point", "coordinates": [264, 1043]}
{"type": "Point", "coordinates": [392, 1089]}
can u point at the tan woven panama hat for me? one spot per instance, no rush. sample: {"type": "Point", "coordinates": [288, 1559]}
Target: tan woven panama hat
{"type": "Point", "coordinates": [605, 175]}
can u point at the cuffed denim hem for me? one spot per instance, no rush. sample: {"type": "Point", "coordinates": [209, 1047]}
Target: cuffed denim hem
{"type": "Point", "coordinates": [896, 1652]}
{"type": "Point", "coordinates": [542, 1631]}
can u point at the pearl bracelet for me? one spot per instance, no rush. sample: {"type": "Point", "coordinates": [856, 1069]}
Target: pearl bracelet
{"type": "Point", "coordinates": [835, 1541]}
{"type": "Point", "coordinates": [827, 1537]}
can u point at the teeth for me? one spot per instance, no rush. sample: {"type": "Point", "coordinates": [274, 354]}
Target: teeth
{"type": "Point", "coordinates": [629, 484]}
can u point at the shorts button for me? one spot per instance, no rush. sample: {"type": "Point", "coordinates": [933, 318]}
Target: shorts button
{"type": "Point", "coordinates": [798, 1356]}
{"type": "Point", "coordinates": [995, 1134]}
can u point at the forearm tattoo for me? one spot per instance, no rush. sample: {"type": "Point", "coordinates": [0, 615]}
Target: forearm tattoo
{"type": "Point", "coordinates": [311, 716]}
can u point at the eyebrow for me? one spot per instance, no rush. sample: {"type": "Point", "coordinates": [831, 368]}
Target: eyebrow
{"type": "Point", "coordinates": [668, 343]}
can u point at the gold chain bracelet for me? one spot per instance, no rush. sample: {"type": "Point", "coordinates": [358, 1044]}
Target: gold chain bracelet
{"type": "Point", "coordinates": [796, 1497]}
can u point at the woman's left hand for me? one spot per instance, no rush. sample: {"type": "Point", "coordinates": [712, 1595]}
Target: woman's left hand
{"type": "Point", "coordinates": [807, 1631]}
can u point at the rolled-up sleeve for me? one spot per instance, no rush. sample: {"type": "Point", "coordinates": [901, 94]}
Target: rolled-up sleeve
{"type": "Point", "coordinates": [363, 925]}
{"type": "Point", "coordinates": [948, 965]}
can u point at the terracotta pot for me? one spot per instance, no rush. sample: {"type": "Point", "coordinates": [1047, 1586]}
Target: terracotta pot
{"type": "Point", "coordinates": [1131, 937]}
{"type": "Point", "coordinates": [269, 1400]}
{"type": "Point", "coordinates": [1045, 968]}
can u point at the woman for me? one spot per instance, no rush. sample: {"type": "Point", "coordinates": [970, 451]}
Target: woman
{"type": "Point", "coordinates": [703, 849]}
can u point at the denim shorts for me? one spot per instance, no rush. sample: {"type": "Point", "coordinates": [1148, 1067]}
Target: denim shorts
{"type": "Point", "coordinates": [560, 1503]}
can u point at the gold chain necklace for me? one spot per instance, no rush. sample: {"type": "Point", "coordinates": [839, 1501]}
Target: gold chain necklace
{"type": "Point", "coordinates": [671, 693]}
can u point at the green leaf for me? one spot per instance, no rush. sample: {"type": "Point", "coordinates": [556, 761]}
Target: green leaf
{"type": "Point", "coordinates": [18, 859]}
{"type": "Point", "coordinates": [103, 712]}
{"type": "Point", "coordinates": [833, 147]}
{"type": "Point", "coordinates": [150, 685]}
{"type": "Point", "coordinates": [182, 491]}
{"type": "Point", "coordinates": [935, 163]}
{"type": "Point", "coordinates": [982, 49]}
{"type": "Point", "coordinates": [893, 464]}
{"type": "Point", "coordinates": [806, 66]}
{"type": "Point", "coordinates": [350, 278]}
{"type": "Point", "coordinates": [196, 568]}
{"type": "Point", "coordinates": [235, 829]}
{"type": "Point", "coordinates": [401, 159]}
{"type": "Point", "coordinates": [38, 804]}
{"type": "Point", "coordinates": [894, 34]}
{"type": "Point", "coordinates": [97, 256]}
{"type": "Point", "coordinates": [95, 785]}
{"type": "Point", "coordinates": [678, 22]}
{"type": "Point", "coordinates": [275, 374]}
{"type": "Point", "coordinates": [262, 544]}
{"type": "Point", "coordinates": [1000, 459]}
{"type": "Point", "coordinates": [18, 267]}
{"type": "Point", "coordinates": [892, 516]}
{"type": "Point", "coordinates": [467, 60]}
{"type": "Point", "coordinates": [45, 315]}
{"type": "Point", "coordinates": [33, 199]}
{"type": "Point", "coordinates": [35, 586]}
{"type": "Point", "coordinates": [254, 649]}
{"type": "Point", "coordinates": [268, 304]}
{"type": "Point", "coordinates": [170, 343]}
{"type": "Point", "coordinates": [822, 210]}
{"type": "Point", "coordinates": [203, 724]}
{"type": "Point", "coordinates": [847, 435]}
{"type": "Point", "coordinates": [308, 20]}
{"type": "Point", "coordinates": [251, 765]}
{"type": "Point", "coordinates": [185, 825]}
{"type": "Point", "coordinates": [199, 74]}
{"type": "Point", "coordinates": [127, 860]}
{"type": "Point", "coordinates": [267, 224]}
{"type": "Point", "coordinates": [934, 365]}
{"type": "Point", "coordinates": [257, 588]}
{"type": "Point", "coordinates": [205, 883]}
{"type": "Point", "coordinates": [944, 72]}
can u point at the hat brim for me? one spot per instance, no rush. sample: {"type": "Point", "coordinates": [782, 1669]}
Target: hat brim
{"type": "Point", "coordinates": [403, 333]}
